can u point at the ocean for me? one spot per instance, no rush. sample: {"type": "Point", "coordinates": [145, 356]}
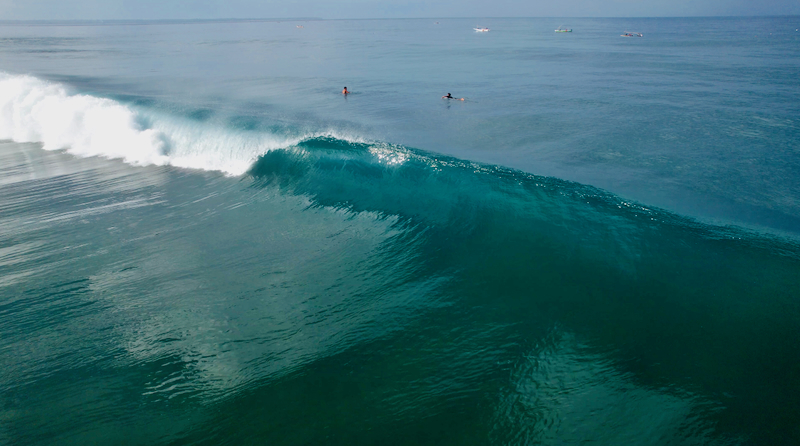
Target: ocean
{"type": "Point", "coordinates": [202, 241]}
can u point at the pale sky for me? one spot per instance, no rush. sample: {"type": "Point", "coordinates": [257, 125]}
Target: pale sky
{"type": "Point", "coordinates": [359, 9]}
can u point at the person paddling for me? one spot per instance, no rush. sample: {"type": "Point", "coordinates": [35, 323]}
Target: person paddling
{"type": "Point", "coordinates": [449, 96]}
{"type": "Point", "coordinates": [345, 92]}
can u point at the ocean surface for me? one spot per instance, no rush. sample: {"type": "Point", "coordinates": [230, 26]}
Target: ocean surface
{"type": "Point", "coordinates": [203, 242]}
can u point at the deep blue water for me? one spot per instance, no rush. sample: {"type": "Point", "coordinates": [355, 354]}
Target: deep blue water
{"type": "Point", "coordinates": [203, 241]}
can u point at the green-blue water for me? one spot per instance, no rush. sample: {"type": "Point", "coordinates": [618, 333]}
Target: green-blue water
{"type": "Point", "coordinates": [202, 242]}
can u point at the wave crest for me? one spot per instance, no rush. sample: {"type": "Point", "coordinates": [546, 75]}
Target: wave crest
{"type": "Point", "coordinates": [34, 110]}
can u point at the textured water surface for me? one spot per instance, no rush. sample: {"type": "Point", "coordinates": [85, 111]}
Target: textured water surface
{"type": "Point", "coordinates": [202, 242]}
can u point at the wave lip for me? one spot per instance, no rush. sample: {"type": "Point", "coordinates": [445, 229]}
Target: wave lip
{"type": "Point", "coordinates": [34, 110]}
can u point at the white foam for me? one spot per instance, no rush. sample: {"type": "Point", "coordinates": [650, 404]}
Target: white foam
{"type": "Point", "coordinates": [33, 110]}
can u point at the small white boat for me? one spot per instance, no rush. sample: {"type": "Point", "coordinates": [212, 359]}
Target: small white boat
{"type": "Point", "coordinates": [564, 30]}
{"type": "Point", "coordinates": [627, 34]}
{"type": "Point", "coordinates": [481, 30]}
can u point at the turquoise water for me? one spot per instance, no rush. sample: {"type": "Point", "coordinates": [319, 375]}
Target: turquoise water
{"type": "Point", "coordinates": [202, 241]}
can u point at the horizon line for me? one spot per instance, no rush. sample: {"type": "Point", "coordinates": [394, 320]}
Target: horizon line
{"type": "Point", "coordinates": [107, 22]}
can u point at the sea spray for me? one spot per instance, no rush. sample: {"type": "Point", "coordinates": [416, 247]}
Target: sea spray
{"type": "Point", "coordinates": [34, 110]}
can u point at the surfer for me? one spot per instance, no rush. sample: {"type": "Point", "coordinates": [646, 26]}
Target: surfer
{"type": "Point", "coordinates": [345, 92]}
{"type": "Point", "coordinates": [449, 96]}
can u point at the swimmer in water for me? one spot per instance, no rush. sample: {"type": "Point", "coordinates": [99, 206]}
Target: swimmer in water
{"type": "Point", "coordinates": [345, 92]}
{"type": "Point", "coordinates": [449, 96]}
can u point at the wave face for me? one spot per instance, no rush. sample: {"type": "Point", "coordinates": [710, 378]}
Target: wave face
{"type": "Point", "coordinates": [439, 191]}
{"type": "Point", "coordinates": [33, 110]}
{"type": "Point", "coordinates": [608, 304]}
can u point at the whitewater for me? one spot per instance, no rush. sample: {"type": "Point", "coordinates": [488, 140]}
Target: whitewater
{"type": "Point", "coordinates": [44, 112]}
{"type": "Point", "coordinates": [203, 242]}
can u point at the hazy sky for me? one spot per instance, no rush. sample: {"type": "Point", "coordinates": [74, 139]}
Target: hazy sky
{"type": "Point", "coordinates": [339, 9]}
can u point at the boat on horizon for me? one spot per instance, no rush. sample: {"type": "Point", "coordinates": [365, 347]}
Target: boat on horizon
{"type": "Point", "coordinates": [563, 30]}
{"type": "Point", "coordinates": [629, 34]}
{"type": "Point", "coordinates": [481, 30]}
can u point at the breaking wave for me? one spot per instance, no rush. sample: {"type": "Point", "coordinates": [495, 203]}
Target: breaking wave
{"type": "Point", "coordinates": [35, 110]}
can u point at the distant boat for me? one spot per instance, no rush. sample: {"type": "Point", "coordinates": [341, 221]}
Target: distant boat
{"type": "Point", "coordinates": [481, 30]}
{"type": "Point", "coordinates": [564, 30]}
{"type": "Point", "coordinates": [299, 26]}
{"type": "Point", "coordinates": [627, 34]}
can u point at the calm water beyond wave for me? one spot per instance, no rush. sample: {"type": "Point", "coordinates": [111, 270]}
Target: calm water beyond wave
{"type": "Point", "coordinates": [203, 242]}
